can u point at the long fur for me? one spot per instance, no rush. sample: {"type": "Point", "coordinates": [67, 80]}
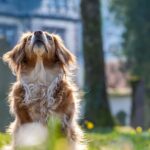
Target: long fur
{"type": "Point", "coordinates": [44, 85]}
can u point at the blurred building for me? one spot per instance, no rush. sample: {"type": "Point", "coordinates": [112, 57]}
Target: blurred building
{"type": "Point", "coordinates": [119, 92]}
{"type": "Point", "coordinates": [57, 16]}
{"type": "Point", "coordinates": [117, 85]}
{"type": "Point", "coordinates": [60, 16]}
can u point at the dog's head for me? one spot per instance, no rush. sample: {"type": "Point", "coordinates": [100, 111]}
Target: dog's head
{"type": "Point", "coordinates": [39, 45]}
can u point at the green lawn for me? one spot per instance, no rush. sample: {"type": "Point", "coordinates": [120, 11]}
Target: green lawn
{"type": "Point", "coordinates": [107, 139]}
{"type": "Point", "coordinates": [119, 139]}
{"type": "Point", "coordinates": [4, 139]}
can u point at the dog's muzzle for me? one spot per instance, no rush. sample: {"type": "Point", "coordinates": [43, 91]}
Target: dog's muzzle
{"type": "Point", "coordinates": [38, 40]}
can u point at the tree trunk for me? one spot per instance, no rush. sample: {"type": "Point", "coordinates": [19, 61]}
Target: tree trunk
{"type": "Point", "coordinates": [137, 111]}
{"type": "Point", "coordinates": [97, 107]}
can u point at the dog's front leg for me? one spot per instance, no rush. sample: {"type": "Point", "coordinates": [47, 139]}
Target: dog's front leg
{"type": "Point", "coordinates": [18, 108]}
{"type": "Point", "coordinates": [73, 131]}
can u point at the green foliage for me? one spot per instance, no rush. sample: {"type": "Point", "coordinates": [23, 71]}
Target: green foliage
{"type": "Point", "coordinates": [58, 140]}
{"type": "Point", "coordinates": [134, 15]}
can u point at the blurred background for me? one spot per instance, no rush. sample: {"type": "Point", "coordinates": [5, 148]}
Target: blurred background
{"type": "Point", "coordinates": [111, 41]}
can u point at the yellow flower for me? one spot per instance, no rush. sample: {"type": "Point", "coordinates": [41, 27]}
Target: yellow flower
{"type": "Point", "coordinates": [89, 125]}
{"type": "Point", "coordinates": [139, 130]}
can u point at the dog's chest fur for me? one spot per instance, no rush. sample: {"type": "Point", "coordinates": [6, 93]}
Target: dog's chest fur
{"type": "Point", "coordinates": [39, 87]}
{"type": "Point", "coordinates": [40, 74]}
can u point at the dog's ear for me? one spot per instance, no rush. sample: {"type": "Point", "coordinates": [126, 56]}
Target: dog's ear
{"type": "Point", "coordinates": [65, 57]}
{"type": "Point", "coordinates": [15, 56]}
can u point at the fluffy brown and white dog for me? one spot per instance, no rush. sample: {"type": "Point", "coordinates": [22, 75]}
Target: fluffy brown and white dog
{"type": "Point", "coordinates": [43, 86]}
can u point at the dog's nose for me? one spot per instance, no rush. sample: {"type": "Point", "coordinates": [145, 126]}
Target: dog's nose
{"type": "Point", "coordinates": [38, 33]}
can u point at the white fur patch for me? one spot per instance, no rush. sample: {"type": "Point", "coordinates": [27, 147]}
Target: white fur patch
{"type": "Point", "coordinates": [8, 147]}
{"type": "Point", "coordinates": [31, 134]}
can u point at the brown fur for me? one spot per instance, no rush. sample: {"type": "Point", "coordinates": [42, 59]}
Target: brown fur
{"type": "Point", "coordinates": [24, 62]}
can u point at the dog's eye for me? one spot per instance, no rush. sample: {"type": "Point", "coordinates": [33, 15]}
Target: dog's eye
{"type": "Point", "coordinates": [49, 37]}
{"type": "Point", "coordinates": [29, 38]}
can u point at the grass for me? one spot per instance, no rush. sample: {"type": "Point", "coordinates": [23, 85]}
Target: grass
{"type": "Point", "coordinates": [4, 139]}
{"type": "Point", "coordinates": [120, 138]}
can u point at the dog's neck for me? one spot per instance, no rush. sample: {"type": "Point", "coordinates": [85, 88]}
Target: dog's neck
{"type": "Point", "coordinates": [40, 74]}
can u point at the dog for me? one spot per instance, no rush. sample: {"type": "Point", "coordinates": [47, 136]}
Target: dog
{"type": "Point", "coordinates": [44, 85]}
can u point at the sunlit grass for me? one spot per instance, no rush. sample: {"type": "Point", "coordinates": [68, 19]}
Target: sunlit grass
{"type": "Point", "coordinates": [120, 138]}
{"type": "Point", "coordinates": [4, 139]}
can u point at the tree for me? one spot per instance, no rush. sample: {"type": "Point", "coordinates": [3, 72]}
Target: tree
{"type": "Point", "coordinates": [97, 107]}
{"type": "Point", "coordinates": [137, 111]}
{"type": "Point", "coordinates": [5, 79]}
{"type": "Point", "coordinates": [135, 17]}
